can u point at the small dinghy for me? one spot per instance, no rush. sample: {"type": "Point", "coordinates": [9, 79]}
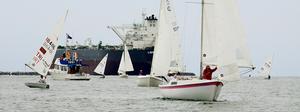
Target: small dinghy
{"type": "Point", "coordinates": [43, 58]}
{"type": "Point", "coordinates": [123, 76]}
{"type": "Point", "coordinates": [37, 85]}
{"type": "Point", "coordinates": [125, 63]}
{"type": "Point", "coordinates": [101, 67]}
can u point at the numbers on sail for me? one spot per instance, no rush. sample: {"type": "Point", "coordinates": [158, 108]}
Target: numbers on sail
{"type": "Point", "coordinates": [38, 57]}
{"type": "Point", "coordinates": [168, 5]}
{"type": "Point", "coordinates": [176, 28]}
{"type": "Point", "coordinates": [49, 45]}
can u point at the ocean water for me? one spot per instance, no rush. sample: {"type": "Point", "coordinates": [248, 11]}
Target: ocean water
{"type": "Point", "coordinates": [113, 94]}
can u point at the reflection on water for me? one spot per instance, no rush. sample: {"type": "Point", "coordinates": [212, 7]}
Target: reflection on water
{"type": "Point", "coordinates": [116, 94]}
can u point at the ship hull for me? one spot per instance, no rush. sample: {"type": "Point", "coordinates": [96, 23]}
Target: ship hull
{"type": "Point", "coordinates": [141, 60]}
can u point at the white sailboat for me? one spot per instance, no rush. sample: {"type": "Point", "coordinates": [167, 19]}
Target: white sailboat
{"type": "Point", "coordinates": [266, 68]}
{"type": "Point", "coordinates": [101, 66]}
{"type": "Point", "coordinates": [219, 29]}
{"type": "Point", "coordinates": [42, 60]}
{"type": "Point", "coordinates": [167, 56]}
{"type": "Point", "coordinates": [125, 63]}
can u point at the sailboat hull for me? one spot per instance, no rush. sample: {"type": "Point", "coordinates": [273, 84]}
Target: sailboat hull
{"type": "Point", "coordinates": [123, 76]}
{"type": "Point", "coordinates": [64, 76]}
{"type": "Point", "coordinates": [204, 90]}
{"type": "Point", "coordinates": [149, 81]}
{"type": "Point", "coordinates": [37, 85]}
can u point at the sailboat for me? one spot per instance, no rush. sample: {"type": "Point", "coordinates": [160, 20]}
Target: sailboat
{"type": "Point", "coordinates": [101, 66]}
{"type": "Point", "coordinates": [42, 60]}
{"type": "Point", "coordinates": [167, 56]}
{"type": "Point", "coordinates": [220, 27]}
{"type": "Point", "coordinates": [125, 63]}
{"type": "Point", "coordinates": [265, 70]}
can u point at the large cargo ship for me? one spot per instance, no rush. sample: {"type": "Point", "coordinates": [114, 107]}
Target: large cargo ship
{"type": "Point", "coordinates": [138, 37]}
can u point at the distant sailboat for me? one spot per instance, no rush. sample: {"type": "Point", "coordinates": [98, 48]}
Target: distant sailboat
{"type": "Point", "coordinates": [220, 29]}
{"type": "Point", "coordinates": [42, 60]}
{"type": "Point", "coordinates": [101, 66]}
{"type": "Point", "coordinates": [266, 68]}
{"type": "Point", "coordinates": [125, 64]}
{"type": "Point", "coordinates": [167, 54]}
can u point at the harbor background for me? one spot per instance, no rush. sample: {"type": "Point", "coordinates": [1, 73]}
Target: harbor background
{"type": "Point", "coordinates": [281, 94]}
{"type": "Point", "coordinates": [271, 27]}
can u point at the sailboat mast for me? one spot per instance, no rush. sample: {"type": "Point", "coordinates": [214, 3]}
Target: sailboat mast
{"type": "Point", "coordinates": [125, 57]}
{"type": "Point", "coordinates": [201, 52]}
{"type": "Point", "coordinates": [66, 38]}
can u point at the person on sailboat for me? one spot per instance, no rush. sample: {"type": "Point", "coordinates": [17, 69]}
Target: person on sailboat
{"type": "Point", "coordinates": [207, 73]}
{"type": "Point", "coordinates": [42, 80]}
{"type": "Point", "coordinates": [141, 72]}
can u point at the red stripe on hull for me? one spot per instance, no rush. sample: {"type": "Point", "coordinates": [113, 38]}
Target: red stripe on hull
{"type": "Point", "coordinates": [193, 85]}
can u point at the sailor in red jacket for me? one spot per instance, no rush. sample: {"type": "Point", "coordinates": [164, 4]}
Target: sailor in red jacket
{"type": "Point", "coordinates": [207, 73]}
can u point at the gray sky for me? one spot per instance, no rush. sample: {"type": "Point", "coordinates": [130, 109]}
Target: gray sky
{"type": "Point", "coordinates": [272, 27]}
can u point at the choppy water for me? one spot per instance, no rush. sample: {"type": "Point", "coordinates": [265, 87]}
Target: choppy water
{"type": "Point", "coordinates": [280, 94]}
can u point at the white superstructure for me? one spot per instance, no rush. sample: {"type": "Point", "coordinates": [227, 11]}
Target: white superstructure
{"type": "Point", "coordinates": [138, 35]}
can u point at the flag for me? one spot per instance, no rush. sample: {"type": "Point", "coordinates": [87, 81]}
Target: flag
{"type": "Point", "coordinates": [68, 36]}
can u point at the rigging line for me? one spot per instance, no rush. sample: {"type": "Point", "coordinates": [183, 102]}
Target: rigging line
{"type": "Point", "coordinates": [246, 71]}
{"type": "Point", "coordinates": [184, 32]}
{"type": "Point", "coordinates": [193, 2]}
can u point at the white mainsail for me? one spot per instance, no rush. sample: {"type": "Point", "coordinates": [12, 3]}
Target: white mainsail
{"type": "Point", "coordinates": [167, 53]}
{"type": "Point", "coordinates": [265, 70]}
{"type": "Point", "coordinates": [101, 66]}
{"type": "Point", "coordinates": [125, 64]}
{"type": "Point", "coordinates": [42, 60]}
{"type": "Point", "coordinates": [224, 40]}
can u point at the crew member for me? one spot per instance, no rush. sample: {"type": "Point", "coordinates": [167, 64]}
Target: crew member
{"type": "Point", "coordinates": [207, 73]}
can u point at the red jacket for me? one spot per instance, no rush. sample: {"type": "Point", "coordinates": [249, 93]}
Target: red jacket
{"type": "Point", "coordinates": [207, 73]}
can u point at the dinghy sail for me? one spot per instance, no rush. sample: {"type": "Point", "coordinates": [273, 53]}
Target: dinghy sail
{"type": "Point", "coordinates": [42, 60]}
{"type": "Point", "coordinates": [125, 64]}
{"type": "Point", "coordinates": [100, 69]}
{"type": "Point", "coordinates": [265, 70]}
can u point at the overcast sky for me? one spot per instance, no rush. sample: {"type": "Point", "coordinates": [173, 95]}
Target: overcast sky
{"type": "Point", "coordinates": [272, 27]}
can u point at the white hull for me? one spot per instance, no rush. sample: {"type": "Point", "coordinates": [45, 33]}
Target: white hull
{"type": "Point", "coordinates": [123, 76]}
{"type": "Point", "coordinates": [37, 85]}
{"type": "Point", "coordinates": [149, 81]}
{"type": "Point", "coordinates": [204, 90]}
{"type": "Point", "coordinates": [65, 76]}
